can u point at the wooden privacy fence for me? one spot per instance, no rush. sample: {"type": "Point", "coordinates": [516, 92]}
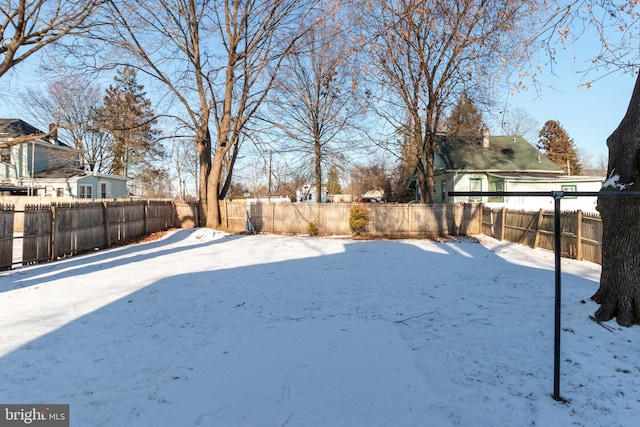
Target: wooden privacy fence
{"type": "Point", "coordinates": [65, 229]}
{"type": "Point", "coordinates": [581, 233]}
{"type": "Point", "coordinates": [385, 220]}
{"type": "Point", "coordinates": [6, 236]}
{"type": "Point", "coordinates": [60, 230]}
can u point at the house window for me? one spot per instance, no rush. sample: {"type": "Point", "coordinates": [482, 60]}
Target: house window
{"type": "Point", "coordinates": [497, 186]}
{"type": "Point", "coordinates": [475, 184]}
{"type": "Point", "coordinates": [104, 190]}
{"type": "Point", "coordinates": [568, 188]}
{"type": "Point", "coordinates": [86, 192]}
{"type": "Point", "coordinates": [59, 192]}
{"type": "Point", "coordinates": [5, 155]}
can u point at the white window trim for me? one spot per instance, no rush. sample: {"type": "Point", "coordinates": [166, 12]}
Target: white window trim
{"type": "Point", "coordinates": [82, 191]}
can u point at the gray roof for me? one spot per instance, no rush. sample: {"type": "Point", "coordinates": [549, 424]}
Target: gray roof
{"type": "Point", "coordinates": [61, 172]}
{"type": "Point", "coordinates": [66, 172]}
{"type": "Point", "coordinates": [505, 153]}
{"type": "Point", "coordinates": [15, 127]}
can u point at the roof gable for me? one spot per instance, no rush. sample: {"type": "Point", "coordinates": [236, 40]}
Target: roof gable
{"type": "Point", "coordinates": [505, 153]}
{"type": "Point", "coordinates": [12, 128]}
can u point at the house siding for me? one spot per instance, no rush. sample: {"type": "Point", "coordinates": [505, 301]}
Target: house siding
{"type": "Point", "coordinates": [115, 187]}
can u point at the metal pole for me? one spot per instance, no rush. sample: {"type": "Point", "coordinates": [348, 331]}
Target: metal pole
{"type": "Point", "coordinates": [557, 196]}
{"type": "Point", "coordinates": [558, 299]}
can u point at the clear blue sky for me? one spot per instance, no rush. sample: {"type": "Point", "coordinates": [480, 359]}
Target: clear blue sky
{"type": "Point", "coordinates": [589, 115]}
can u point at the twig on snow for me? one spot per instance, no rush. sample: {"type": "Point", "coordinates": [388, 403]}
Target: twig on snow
{"type": "Point", "coordinates": [607, 327]}
{"type": "Point", "coordinates": [404, 321]}
{"type": "Point", "coordinates": [287, 421]}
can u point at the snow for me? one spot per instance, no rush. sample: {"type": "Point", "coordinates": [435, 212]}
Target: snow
{"type": "Point", "coordinates": [612, 181]}
{"type": "Point", "coordinates": [203, 328]}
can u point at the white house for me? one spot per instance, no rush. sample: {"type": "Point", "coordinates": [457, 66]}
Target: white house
{"type": "Point", "coordinates": [307, 194]}
{"type": "Point", "coordinates": [32, 165]}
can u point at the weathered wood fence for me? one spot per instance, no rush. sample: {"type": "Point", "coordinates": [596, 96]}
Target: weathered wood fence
{"type": "Point", "coordinates": [6, 236]}
{"type": "Point", "coordinates": [407, 220]}
{"type": "Point", "coordinates": [581, 234]}
{"type": "Point", "coordinates": [65, 229]}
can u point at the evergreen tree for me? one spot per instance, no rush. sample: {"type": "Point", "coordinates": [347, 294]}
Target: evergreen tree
{"type": "Point", "coordinates": [465, 119]}
{"type": "Point", "coordinates": [333, 181]}
{"type": "Point", "coordinates": [128, 116]}
{"type": "Point", "coordinates": [559, 147]}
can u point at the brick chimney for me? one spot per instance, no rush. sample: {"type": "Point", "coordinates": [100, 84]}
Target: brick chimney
{"type": "Point", "coordinates": [53, 138]}
{"type": "Point", "coordinates": [485, 136]}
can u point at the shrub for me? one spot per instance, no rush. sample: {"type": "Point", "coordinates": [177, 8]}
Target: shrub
{"type": "Point", "coordinates": [312, 228]}
{"type": "Point", "coordinates": [358, 220]}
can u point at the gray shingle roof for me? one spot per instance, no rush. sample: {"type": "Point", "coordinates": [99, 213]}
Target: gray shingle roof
{"type": "Point", "coordinates": [505, 153]}
{"type": "Point", "coordinates": [60, 172]}
{"type": "Point", "coordinates": [15, 127]}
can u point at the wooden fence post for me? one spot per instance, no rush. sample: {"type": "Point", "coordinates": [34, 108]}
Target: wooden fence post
{"type": "Point", "coordinates": [538, 228]}
{"type": "Point", "coordinates": [146, 217]}
{"type": "Point", "coordinates": [107, 235]}
{"type": "Point", "coordinates": [226, 214]}
{"type": "Point", "coordinates": [54, 233]}
{"type": "Point", "coordinates": [579, 236]}
{"type": "Point", "coordinates": [503, 223]}
{"type": "Point", "coordinates": [273, 217]}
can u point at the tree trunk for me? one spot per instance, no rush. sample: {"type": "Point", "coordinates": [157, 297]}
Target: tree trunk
{"type": "Point", "coordinates": [213, 203]}
{"type": "Point", "coordinates": [204, 159]}
{"type": "Point", "coordinates": [425, 172]}
{"type": "Point", "coordinates": [318, 171]}
{"type": "Point", "coordinates": [619, 292]}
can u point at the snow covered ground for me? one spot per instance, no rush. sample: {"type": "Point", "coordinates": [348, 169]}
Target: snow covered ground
{"type": "Point", "coordinates": [202, 328]}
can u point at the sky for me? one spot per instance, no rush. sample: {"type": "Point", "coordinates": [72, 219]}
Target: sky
{"type": "Point", "coordinates": [204, 328]}
{"type": "Point", "coordinates": [589, 115]}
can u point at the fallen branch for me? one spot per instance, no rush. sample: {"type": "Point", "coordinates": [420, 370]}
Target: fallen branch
{"type": "Point", "coordinates": [287, 421]}
{"type": "Point", "coordinates": [607, 327]}
{"type": "Point", "coordinates": [404, 321]}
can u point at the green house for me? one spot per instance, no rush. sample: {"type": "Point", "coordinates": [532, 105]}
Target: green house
{"type": "Point", "coordinates": [499, 163]}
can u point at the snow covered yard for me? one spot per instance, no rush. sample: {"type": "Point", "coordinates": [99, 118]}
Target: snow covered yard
{"type": "Point", "coordinates": [202, 328]}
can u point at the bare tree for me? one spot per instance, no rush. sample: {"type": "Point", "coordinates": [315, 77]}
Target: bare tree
{"type": "Point", "coordinates": [519, 122]}
{"type": "Point", "coordinates": [183, 157]}
{"type": "Point", "coordinates": [373, 176]}
{"type": "Point", "coordinates": [68, 102]}
{"type": "Point", "coordinates": [426, 53]}
{"type": "Point", "coordinates": [218, 60]}
{"type": "Point", "coordinates": [313, 104]}
{"type": "Point", "coordinates": [28, 26]}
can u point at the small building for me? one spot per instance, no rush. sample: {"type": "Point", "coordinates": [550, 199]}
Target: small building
{"type": "Point", "coordinates": [80, 184]}
{"type": "Point", "coordinates": [503, 163]}
{"type": "Point", "coordinates": [307, 194]}
{"type": "Point", "coordinates": [33, 162]}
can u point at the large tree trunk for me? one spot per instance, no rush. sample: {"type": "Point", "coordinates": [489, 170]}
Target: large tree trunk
{"type": "Point", "coordinates": [213, 202]}
{"type": "Point", "coordinates": [204, 159]}
{"type": "Point", "coordinates": [425, 171]}
{"type": "Point", "coordinates": [318, 170]}
{"type": "Point", "coordinates": [619, 292]}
